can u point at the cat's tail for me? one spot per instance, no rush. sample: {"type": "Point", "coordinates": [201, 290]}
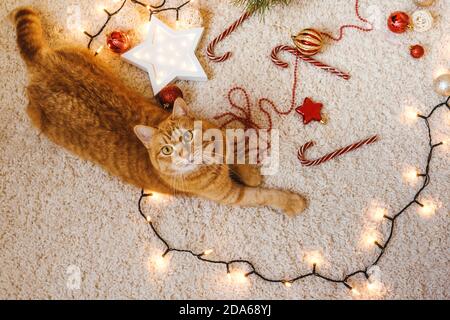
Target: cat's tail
{"type": "Point", "coordinates": [30, 37]}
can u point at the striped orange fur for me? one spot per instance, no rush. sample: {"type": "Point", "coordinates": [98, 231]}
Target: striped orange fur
{"type": "Point", "coordinates": [79, 104]}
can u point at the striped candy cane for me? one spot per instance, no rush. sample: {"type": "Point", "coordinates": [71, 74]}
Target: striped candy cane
{"type": "Point", "coordinates": [276, 51]}
{"type": "Point", "coordinates": [211, 47]}
{"type": "Point", "coordinates": [332, 155]}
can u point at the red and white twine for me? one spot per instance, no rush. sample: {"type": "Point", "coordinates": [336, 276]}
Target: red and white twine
{"type": "Point", "coordinates": [212, 46]}
{"type": "Point", "coordinates": [351, 26]}
{"type": "Point", "coordinates": [332, 155]}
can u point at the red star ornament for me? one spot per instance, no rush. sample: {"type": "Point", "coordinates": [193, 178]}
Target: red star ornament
{"type": "Point", "coordinates": [310, 111]}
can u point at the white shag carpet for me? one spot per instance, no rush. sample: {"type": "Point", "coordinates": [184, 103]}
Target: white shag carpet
{"type": "Point", "coordinates": [60, 215]}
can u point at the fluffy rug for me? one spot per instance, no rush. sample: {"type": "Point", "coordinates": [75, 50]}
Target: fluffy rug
{"type": "Point", "coordinates": [70, 231]}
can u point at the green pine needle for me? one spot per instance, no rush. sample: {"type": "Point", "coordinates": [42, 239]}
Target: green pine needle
{"type": "Point", "coordinates": [260, 6]}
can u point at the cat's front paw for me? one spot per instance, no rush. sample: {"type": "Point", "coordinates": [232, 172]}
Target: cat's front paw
{"type": "Point", "coordinates": [249, 175]}
{"type": "Point", "coordinates": [294, 204]}
{"type": "Point", "coordinates": [253, 177]}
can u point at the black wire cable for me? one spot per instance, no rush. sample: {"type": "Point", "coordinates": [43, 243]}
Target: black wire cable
{"type": "Point", "coordinates": [99, 32]}
{"type": "Point", "coordinates": [314, 273]}
{"type": "Point", "coordinates": [160, 8]}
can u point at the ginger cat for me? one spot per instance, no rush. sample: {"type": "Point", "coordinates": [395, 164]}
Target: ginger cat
{"type": "Point", "coordinates": [80, 105]}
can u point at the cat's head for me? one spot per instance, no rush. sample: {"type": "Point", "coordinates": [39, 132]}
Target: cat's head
{"type": "Point", "coordinates": [171, 145]}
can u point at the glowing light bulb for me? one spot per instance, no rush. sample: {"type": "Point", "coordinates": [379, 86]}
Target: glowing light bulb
{"type": "Point", "coordinates": [149, 219]}
{"type": "Point", "coordinates": [355, 292]}
{"type": "Point", "coordinates": [314, 258]}
{"type": "Point", "coordinates": [160, 262]}
{"type": "Point", "coordinates": [441, 138]}
{"type": "Point", "coordinates": [378, 214]}
{"type": "Point", "coordinates": [144, 29]}
{"type": "Point", "coordinates": [445, 140]}
{"type": "Point", "coordinates": [374, 286]}
{"type": "Point", "coordinates": [208, 252]}
{"type": "Point", "coordinates": [161, 59]}
{"type": "Point", "coordinates": [287, 284]}
{"type": "Point", "coordinates": [101, 8]}
{"type": "Point", "coordinates": [154, 197]}
{"type": "Point", "coordinates": [428, 209]}
{"type": "Point", "coordinates": [370, 238]}
{"type": "Point", "coordinates": [99, 50]}
{"type": "Point", "coordinates": [238, 277]}
{"type": "Point", "coordinates": [410, 116]}
{"type": "Point", "coordinates": [411, 175]}
{"type": "Point", "coordinates": [371, 286]}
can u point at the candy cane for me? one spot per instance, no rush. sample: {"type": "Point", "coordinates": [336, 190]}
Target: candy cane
{"type": "Point", "coordinates": [332, 155]}
{"type": "Point", "coordinates": [310, 60]}
{"type": "Point", "coordinates": [210, 50]}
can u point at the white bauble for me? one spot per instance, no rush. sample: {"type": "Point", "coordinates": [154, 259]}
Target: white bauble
{"type": "Point", "coordinates": [442, 85]}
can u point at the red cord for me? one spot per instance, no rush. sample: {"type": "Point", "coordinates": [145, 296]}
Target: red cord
{"type": "Point", "coordinates": [246, 117]}
{"type": "Point", "coordinates": [350, 26]}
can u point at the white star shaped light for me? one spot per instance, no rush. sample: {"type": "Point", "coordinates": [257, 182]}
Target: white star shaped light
{"type": "Point", "coordinates": [168, 55]}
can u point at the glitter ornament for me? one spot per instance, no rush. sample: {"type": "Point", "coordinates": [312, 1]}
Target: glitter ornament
{"type": "Point", "coordinates": [422, 20]}
{"type": "Point", "coordinates": [442, 85]}
{"type": "Point", "coordinates": [308, 42]}
{"type": "Point", "coordinates": [417, 51]}
{"type": "Point", "coordinates": [398, 22]}
{"type": "Point", "coordinates": [118, 42]}
{"type": "Point", "coordinates": [168, 95]}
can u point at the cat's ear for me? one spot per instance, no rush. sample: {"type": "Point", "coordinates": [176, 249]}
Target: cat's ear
{"type": "Point", "coordinates": [180, 108]}
{"type": "Point", "coordinates": [145, 134]}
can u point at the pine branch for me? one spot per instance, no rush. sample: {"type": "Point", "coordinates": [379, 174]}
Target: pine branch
{"type": "Point", "coordinates": [260, 6]}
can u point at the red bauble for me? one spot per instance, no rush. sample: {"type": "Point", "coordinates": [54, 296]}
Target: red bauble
{"type": "Point", "coordinates": [118, 42]}
{"type": "Point", "coordinates": [168, 95]}
{"type": "Point", "coordinates": [417, 51]}
{"type": "Point", "coordinates": [398, 22]}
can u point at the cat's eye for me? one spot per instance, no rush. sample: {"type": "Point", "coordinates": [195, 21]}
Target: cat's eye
{"type": "Point", "coordinates": [188, 136]}
{"type": "Point", "coordinates": [167, 150]}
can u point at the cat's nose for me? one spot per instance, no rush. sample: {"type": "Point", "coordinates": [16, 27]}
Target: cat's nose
{"type": "Point", "coordinates": [187, 154]}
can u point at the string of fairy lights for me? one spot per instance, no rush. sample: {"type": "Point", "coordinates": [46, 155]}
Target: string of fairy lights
{"type": "Point", "coordinates": [375, 240]}
{"type": "Point", "coordinates": [152, 10]}
{"type": "Point", "coordinates": [378, 242]}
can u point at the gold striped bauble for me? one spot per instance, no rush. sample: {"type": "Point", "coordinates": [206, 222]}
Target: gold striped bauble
{"type": "Point", "coordinates": [308, 42]}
